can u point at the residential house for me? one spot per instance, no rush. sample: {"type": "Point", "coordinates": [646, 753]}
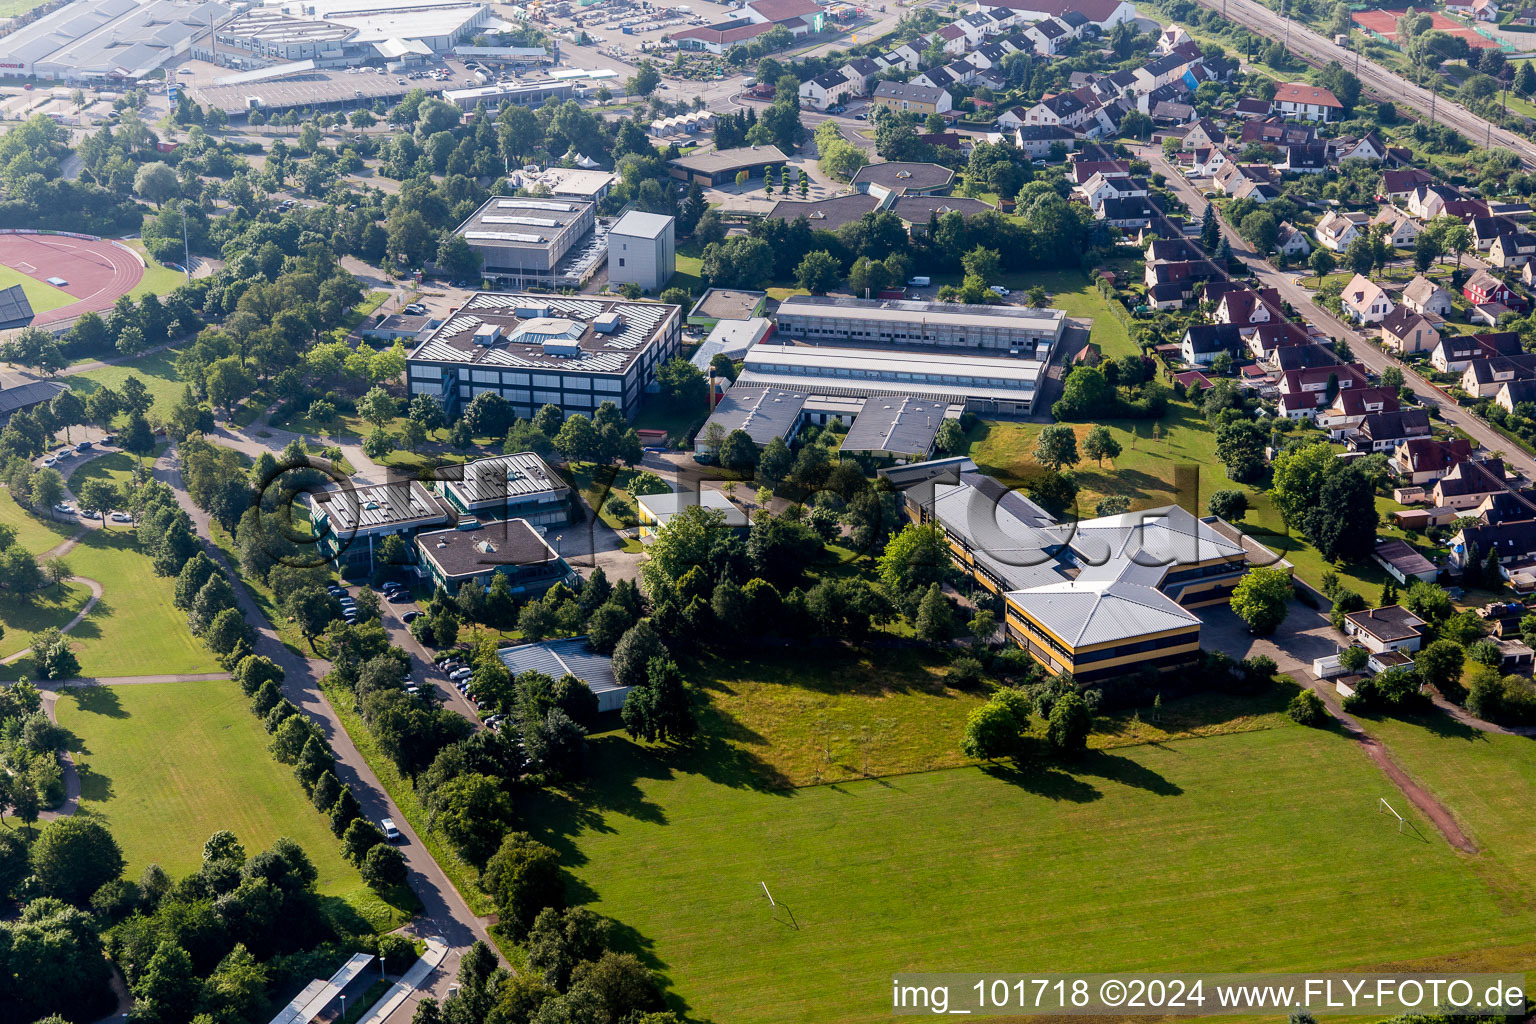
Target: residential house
{"type": "Point", "coordinates": [1398, 185]}
{"type": "Point", "coordinates": [1384, 431]}
{"type": "Point", "coordinates": [1425, 297]}
{"type": "Point", "coordinates": [862, 72]}
{"type": "Point", "coordinates": [1469, 483]}
{"type": "Point", "coordinates": [1266, 339]}
{"type": "Point", "coordinates": [1482, 288]}
{"type": "Point", "coordinates": [1047, 36]}
{"type": "Point", "coordinates": [1203, 163]}
{"type": "Point", "coordinates": [1303, 392]}
{"type": "Point", "coordinates": [1292, 355]}
{"type": "Point", "coordinates": [1065, 109]}
{"type": "Point", "coordinates": [1516, 392]}
{"type": "Point", "coordinates": [1407, 331]}
{"type": "Point", "coordinates": [951, 39]}
{"type": "Point", "coordinates": [1370, 148]}
{"type": "Point", "coordinates": [1484, 377]}
{"type": "Point", "coordinates": [905, 57]}
{"type": "Point", "coordinates": [1512, 250]}
{"type": "Point", "coordinates": [1204, 134]}
{"type": "Point", "coordinates": [1486, 230]}
{"type": "Point", "coordinates": [1203, 342]}
{"type": "Point", "coordinates": [1514, 540]}
{"type": "Point", "coordinates": [1427, 200]}
{"type": "Point", "coordinates": [1456, 351]}
{"type": "Point", "coordinates": [1102, 14]}
{"type": "Point", "coordinates": [916, 99]}
{"type": "Point", "coordinates": [1424, 460]}
{"type": "Point", "coordinates": [1258, 191]}
{"type": "Point", "coordinates": [1365, 301]}
{"type": "Point", "coordinates": [1162, 250]}
{"type": "Point", "coordinates": [1246, 307]}
{"type": "Point", "coordinates": [1306, 102]}
{"type": "Point", "coordinates": [1041, 140]}
{"type": "Point", "coordinates": [1292, 241]}
{"type": "Point", "coordinates": [1353, 405]}
{"type": "Point", "coordinates": [1099, 188]}
{"type": "Point", "coordinates": [1336, 230]}
{"type": "Point", "coordinates": [1013, 118]}
{"type": "Point", "coordinates": [1402, 230]}
{"type": "Point", "coordinates": [1172, 37]}
{"type": "Point", "coordinates": [1307, 158]}
{"type": "Point", "coordinates": [1135, 212]}
{"type": "Point", "coordinates": [937, 78]}
{"type": "Point", "coordinates": [827, 90]}
{"type": "Point", "coordinates": [1379, 630]}
{"type": "Point", "coordinates": [1524, 17]}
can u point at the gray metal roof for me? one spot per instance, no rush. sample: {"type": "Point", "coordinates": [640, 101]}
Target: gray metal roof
{"type": "Point", "coordinates": [900, 426]}
{"type": "Point", "coordinates": [719, 160]}
{"type": "Point", "coordinates": [555, 658]}
{"type": "Point", "coordinates": [361, 509]}
{"type": "Point", "coordinates": [935, 312]}
{"type": "Point", "coordinates": [15, 310]}
{"type": "Point", "coordinates": [637, 224]}
{"type": "Point", "coordinates": [24, 396]}
{"type": "Point", "coordinates": [501, 477]}
{"type": "Point", "coordinates": [764, 413]}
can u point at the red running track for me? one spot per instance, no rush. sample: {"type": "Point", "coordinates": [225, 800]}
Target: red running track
{"type": "Point", "coordinates": [97, 271]}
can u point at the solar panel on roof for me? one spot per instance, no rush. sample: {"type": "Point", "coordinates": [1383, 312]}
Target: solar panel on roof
{"type": "Point", "coordinates": [534, 204]}
{"type": "Point", "coordinates": [501, 236]}
{"type": "Point", "coordinates": [537, 222]}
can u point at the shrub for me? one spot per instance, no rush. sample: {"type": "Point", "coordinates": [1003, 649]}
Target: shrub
{"type": "Point", "coordinates": [1306, 708]}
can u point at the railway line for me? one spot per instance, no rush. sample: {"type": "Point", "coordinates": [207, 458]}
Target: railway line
{"type": "Point", "coordinates": [1317, 50]}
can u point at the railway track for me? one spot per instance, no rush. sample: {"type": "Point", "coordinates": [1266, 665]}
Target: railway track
{"type": "Point", "coordinates": [1318, 51]}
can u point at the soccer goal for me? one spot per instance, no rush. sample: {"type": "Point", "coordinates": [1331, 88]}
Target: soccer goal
{"type": "Point", "coordinates": [1385, 808]}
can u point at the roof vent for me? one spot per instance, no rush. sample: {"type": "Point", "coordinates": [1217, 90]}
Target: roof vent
{"type": "Point", "coordinates": [903, 174]}
{"type": "Point", "coordinates": [608, 323]}
{"type": "Point", "coordinates": [531, 309]}
{"type": "Point", "coordinates": [487, 334]}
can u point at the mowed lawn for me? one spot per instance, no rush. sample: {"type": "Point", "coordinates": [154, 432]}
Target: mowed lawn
{"type": "Point", "coordinates": [134, 629]}
{"type": "Point", "coordinates": [42, 295]}
{"type": "Point", "coordinates": [116, 468]}
{"type": "Point", "coordinates": [54, 605]}
{"type": "Point", "coordinates": [1259, 851]}
{"type": "Point", "coordinates": [157, 371]}
{"type": "Point", "coordinates": [1177, 465]}
{"type": "Point", "coordinates": [166, 765]}
{"type": "Point", "coordinates": [36, 532]}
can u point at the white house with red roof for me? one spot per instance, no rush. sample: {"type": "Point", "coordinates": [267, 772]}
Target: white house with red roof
{"type": "Point", "coordinates": [1306, 102]}
{"type": "Point", "coordinates": [1365, 301]}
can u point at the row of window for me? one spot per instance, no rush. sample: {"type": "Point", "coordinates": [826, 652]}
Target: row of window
{"type": "Point", "coordinates": [508, 378]}
{"type": "Point", "coordinates": [889, 376]}
{"type": "Point", "coordinates": [1000, 336]}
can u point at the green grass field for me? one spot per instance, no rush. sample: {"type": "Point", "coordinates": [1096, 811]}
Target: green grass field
{"type": "Point", "coordinates": [157, 371]}
{"type": "Point", "coordinates": [42, 295]}
{"type": "Point", "coordinates": [135, 629]}
{"type": "Point", "coordinates": [1145, 472]}
{"type": "Point", "coordinates": [116, 468]}
{"type": "Point", "coordinates": [1260, 851]}
{"type": "Point", "coordinates": [167, 765]}
{"type": "Point", "coordinates": [158, 279]}
{"type": "Point", "coordinates": [34, 532]}
{"type": "Point", "coordinates": [51, 606]}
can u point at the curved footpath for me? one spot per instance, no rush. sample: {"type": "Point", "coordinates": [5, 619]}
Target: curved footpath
{"type": "Point", "coordinates": [444, 912]}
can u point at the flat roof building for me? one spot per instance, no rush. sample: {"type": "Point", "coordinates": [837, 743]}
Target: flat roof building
{"type": "Point", "coordinates": [349, 522]}
{"type": "Point", "coordinates": [574, 352]}
{"type": "Point", "coordinates": [521, 94]}
{"type": "Point", "coordinates": [890, 427]}
{"type": "Point", "coordinates": [108, 40]}
{"type": "Point", "coordinates": [517, 486]}
{"type": "Point", "coordinates": [1096, 598]}
{"type": "Point", "coordinates": [451, 558]}
{"type": "Point", "coordinates": [524, 241]}
{"type": "Point", "coordinates": [825, 214]}
{"type": "Point", "coordinates": [557, 658]}
{"type": "Point", "coordinates": [657, 510]}
{"type": "Point", "coordinates": [903, 178]}
{"type": "Point", "coordinates": [1005, 385]}
{"type": "Point", "coordinates": [718, 304]}
{"type": "Point", "coordinates": [764, 413]}
{"type": "Point", "coordinates": [642, 249]}
{"type": "Point", "coordinates": [719, 167]}
{"type": "Point", "coordinates": [731, 338]}
{"type": "Point", "coordinates": [1012, 330]}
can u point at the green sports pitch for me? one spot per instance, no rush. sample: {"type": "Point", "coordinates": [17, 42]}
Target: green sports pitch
{"type": "Point", "coordinates": [40, 294]}
{"type": "Point", "coordinates": [1247, 852]}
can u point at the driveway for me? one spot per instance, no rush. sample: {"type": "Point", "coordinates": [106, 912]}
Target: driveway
{"type": "Point", "coordinates": [1303, 636]}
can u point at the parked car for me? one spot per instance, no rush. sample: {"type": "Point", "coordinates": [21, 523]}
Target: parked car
{"type": "Point", "coordinates": [64, 510]}
{"type": "Point", "coordinates": [411, 616]}
{"type": "Point", "coordinates": [387, 826]}
{"type": "Point", "coordinates": [396, 596]}
{"type": "Point", "coordinates": [999, 290]}
{"type": "Point", "coordinates": [413, 690]}
{"type": "Point", "coordinates": [121, 517]}
{"type": "Point", "coordinates": [415, 309]}
{"type": "Point", "coordinates": [84, 446]}
{"type": "Point", "coordinates": [463, 673]}
{"type": "Point", "coordinates": [50, 461]}
{"type": "Point", "coordinates": [109, 439]}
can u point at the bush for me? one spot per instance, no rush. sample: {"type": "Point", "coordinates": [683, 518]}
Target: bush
{"type": "Point", "coordinates": [965, 672]}
{"type": "Point", "coordinates": [1306, 708]}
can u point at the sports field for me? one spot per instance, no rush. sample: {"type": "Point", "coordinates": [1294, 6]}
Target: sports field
{"type": "Point", "coordinates": [1244, 852]}
{"type": "Point", "coordinates": [166, 765]}
{"type": "Point", "coordinates": [42, 295]}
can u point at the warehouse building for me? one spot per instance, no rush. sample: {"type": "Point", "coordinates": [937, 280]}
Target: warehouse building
{"type": "Point", "coordinates": [720, 167]}
{"type": "Point", "coordinates": [900, 428]}
{"type": "Point", "coordinates": [523, 94]}
{"type": "Point", "coordinates": [1096, 598]}
{"type": "Point", "coordinates": [517, 486]}
{"type": "Point", "coordinates": [642, 250]}
{"type": "Point", "coordinates": [108, 40]}
{"type": "Point", "coordinates": [996, 385]}
{"type": "Point", "coordinates": [557, 658]}
{"type": "Point", "coordinates": [525, 241]}
{"type": "Point", "coordinates": [568, 351]}
{"type": "Point", "coordinates": [765, 414]}
{"type": "Point", "coordinates": [1001, 330]}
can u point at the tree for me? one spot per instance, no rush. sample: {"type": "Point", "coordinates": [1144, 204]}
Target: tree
{"type": "Point", "coordinates": [818, 272]}
{"type": "Point", "coordinates": [75, 856]}
{"type": "Point", "coordinates": [1343, 522]}
{"type": "Point", "coordinates": [935, 619]}
{"type": "Point", "coordinates": [661, 710]}
{"type": "Point", "coordinates": [473, 812]}
{"type": "Point", "coordinates": [1322, 262]}
{"type": "Point", "coordinates": [1100, 444]}
{"type": "Point", "coordinates": [378, 407]}
{"type": "Point", "coordinates": [101, 497]}
{"type": "Point", "coordinates": [1069, 723]}
{"type": "Point", "coordinates": [384, 867]}
{"type": "Point", "coordinates": [523, 878]}
{"type": "Point", "coordinates": [156, 182]}
{"type": "Point", "coordinates": [167, 991]}
{"type": "Point", "coordinates": [47, 489]}
{"type": "Point", "coordinates": [223, 845]}
{"type": "Point", "coordinates": [917, 557]}
{"type": "Point", "coordinates": [1307, 708]}
{"type": "Point", "coordinates": [1298, 478]}
{"type": "Point", "coordinates": [992, 731]}
{"type": "Point", "coordinates": [1440, 663]}
{"type": "Point", "coordinates": [1229, 505]}
{"type": "Point", "coordinates": [1261, 598]}
{"type": "Point", "coordinates": [738, 452]}
{"type": "Point", "coordinates": [1056, 447]}
{"type": "Point", "coordinates": [361, 836]}
{"type": "Point", "coordinates": [644, 81]}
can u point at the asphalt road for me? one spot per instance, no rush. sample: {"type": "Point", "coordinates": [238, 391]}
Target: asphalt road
{"type": "Point", "coordinates": [1313, 47]}
{"type": "Point", "coordinates": [1364, 352]}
